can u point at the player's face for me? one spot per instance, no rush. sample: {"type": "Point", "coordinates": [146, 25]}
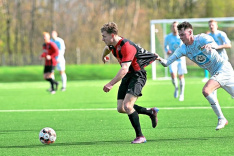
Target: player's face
{"type": "Point", "coordinates": [46, 38]}
{"type": "Point", "coordinates": [107, 38]}
{"type": "Point", "coordinates": [213, 26]}
{"type": "Point", "coordinates": [185, 35]}
{"type": "Point", "coordinates": [54, 34]}
{"type": "Point", "coordinates": [174, 28]}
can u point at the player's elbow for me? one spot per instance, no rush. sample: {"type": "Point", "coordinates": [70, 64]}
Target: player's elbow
{"type": "Point", "coordinates": [124, 71]}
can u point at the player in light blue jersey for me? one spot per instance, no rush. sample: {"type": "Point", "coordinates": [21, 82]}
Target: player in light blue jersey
{"type": "Point", "coordinates": [171, 43]}
{"type": "Point", "coordinates": [201, 49]}
{"type": "Point", "coordinates": [220, 38]}
{"type": "Point", "coordinates": [60, 59]}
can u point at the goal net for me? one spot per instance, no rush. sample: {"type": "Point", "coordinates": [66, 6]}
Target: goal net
{"type": "Point", "coordinates": [160, 28]}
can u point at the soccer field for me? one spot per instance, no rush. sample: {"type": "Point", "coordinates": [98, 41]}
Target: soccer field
{"type": "Point", "coordinates": [87, 123]}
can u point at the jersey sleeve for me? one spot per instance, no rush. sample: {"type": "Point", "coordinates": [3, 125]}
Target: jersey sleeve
{"type": "Point", "coordinates": [128, 52]}
{"type": "Point", "coordinates": [224, 38]}
{"type": "Point", "coordinates": [44, 49]}
{"type": "Point", "coordinates": [180, 51]}
{"type": "Point", "coordinates": [43, 54]}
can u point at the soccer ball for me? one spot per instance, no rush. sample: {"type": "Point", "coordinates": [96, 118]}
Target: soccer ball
{"type": "Point", "coordinates": [47, 135]}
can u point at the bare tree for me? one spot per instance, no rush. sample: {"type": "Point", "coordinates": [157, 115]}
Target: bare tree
{"type": "Point", "coordinates": [17, 28]}
{"type": "Point", "coordinates": [53, 24]}
{"type": "Point", "coordinates": [78, 23]}
{"type": "Point", "coordinates": [31, 34]}
{"type": "Point", "coordinates": [8, 30]}
{"type": "Point", "coordinates": [136, 16]}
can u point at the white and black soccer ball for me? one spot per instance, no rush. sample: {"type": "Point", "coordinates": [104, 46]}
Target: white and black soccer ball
{"type": "Point", "coordinates": [47, 135]}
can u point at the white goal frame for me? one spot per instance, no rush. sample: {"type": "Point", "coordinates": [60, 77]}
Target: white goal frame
{"type": "Point", "coordinates": [169, 21]}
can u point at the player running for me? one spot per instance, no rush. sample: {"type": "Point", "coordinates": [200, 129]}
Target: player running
{"type": "Point", "coordinates": [201, 50]}
{"type": "Point", "coordinates": [132, 59]}
{"type": "Point", "coordinates": [171, 43]}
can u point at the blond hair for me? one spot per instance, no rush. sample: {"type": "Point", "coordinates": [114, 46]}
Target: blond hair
{"type": "Point", "coordinates": [212, 20]}
{"type": "Point", "coordinates": [46, 33]}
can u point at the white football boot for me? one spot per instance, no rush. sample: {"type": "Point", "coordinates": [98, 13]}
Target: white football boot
{"type": "Point", "coordinates": [181, 98]}
{"type": "Point", "coordinates": [221, 123]}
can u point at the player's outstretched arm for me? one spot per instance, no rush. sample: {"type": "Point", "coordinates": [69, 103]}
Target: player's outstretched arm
{"type": "Point", "coordinates": [162, 61]}
{"type": "Point", "coordinates": [224, 46]}
{"type": "Point", "coordinates": [167, 62]}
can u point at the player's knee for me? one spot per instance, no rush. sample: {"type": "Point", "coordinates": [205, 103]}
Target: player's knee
{"type": "Point", "coordinates": [128, 108]}
{"type": "Point", "coordinates": [121, 110]}
{"type": "Point", "coordinates": [205, 92]}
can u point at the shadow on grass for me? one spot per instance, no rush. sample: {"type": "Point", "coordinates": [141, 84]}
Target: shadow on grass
{"type": "Point", "coordinates": [186, 139]}
{"type": "Point", "coordinates": [39, 145]}
{"type": "Point", "coordinates": [111, 142]}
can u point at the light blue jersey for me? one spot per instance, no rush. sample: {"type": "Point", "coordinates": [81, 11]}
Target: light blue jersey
{"type": "Point", "coordinates": [172, 42]}
{"type": "Point", "coordinates": [221, 38]}
{"type": "Point", "coordinates": [206, 59]}
{"type": "Point", "coordinates": [60, 58]}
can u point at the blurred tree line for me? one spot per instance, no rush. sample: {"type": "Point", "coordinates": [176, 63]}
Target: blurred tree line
{"type": "Point", "coordinates": [78, 22]}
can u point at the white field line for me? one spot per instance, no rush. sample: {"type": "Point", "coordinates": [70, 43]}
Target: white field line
{"type": "Point", "coordinates": [101, 109]}
{"type": "Point", "coordinates": [35, 85]}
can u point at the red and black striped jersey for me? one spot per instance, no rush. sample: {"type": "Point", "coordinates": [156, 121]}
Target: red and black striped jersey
{"type": "Point", "coordinates": [127, 51]}
{"type": "Point", "coordinates": [52, 50]}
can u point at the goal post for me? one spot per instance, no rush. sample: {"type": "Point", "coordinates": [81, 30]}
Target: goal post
{"type": "Point", "coordinates": [162, 30]}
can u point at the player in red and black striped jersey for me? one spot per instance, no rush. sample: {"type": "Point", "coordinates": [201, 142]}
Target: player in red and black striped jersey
{"type": "Point", "coordinates": [50, 51]}
{"type": "Point", "coordinates": [132, 75]}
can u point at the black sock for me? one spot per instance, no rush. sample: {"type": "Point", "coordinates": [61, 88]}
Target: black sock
{"type": "Point", "coordinates": [142, 110]}
{"type": "Point", "coordinates": [134, 118]}
{"type": "Point", "coordinates": [56, 82]}
{"type": "Point", "coordinates": [51, 82]}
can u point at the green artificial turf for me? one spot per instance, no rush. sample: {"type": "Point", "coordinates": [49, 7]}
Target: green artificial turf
{"type": "Point", "coordinates": [87, 123]}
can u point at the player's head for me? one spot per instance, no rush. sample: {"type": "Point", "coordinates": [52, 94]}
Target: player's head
{"type": "Point", "coordinates": [185, 30]}
{"type": "Point", "coordinates": [54, 34]}
{"type": "Point", "coordinates": [46, 36]}
{"type": "Point", "coordinates": [174, 27]}
{"type": "Point", "coordinates": [213, 25]}
{"type": "Point", "coordinates": [109, 31]}
{"type": "Point", "coordinates": [110, 28]}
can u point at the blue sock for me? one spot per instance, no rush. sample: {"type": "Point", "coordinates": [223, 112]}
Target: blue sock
{"type": "Point", "coordinates": [206, 74]}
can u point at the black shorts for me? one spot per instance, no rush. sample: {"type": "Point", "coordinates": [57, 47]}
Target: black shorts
{"type": "Point", "coordinates": [132, 83]}
{"type": "Point", "coordinates": [49, 69]}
